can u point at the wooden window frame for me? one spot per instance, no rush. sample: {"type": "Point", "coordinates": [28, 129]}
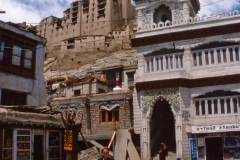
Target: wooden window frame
{"type": "Point", "coordinates": [77, 92]}
{"type": "Point", "coordinates": [25, 44]}
{"type": "Point", "coordinates": [107, 114]}
{"type": "Point", "coordinates": [130, 76]}
{"type": "Point", "coordinates": [13, 97]}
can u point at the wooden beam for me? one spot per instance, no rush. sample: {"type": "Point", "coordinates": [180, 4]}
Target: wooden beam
{"type": "Point", "coordinates": [110, 143]}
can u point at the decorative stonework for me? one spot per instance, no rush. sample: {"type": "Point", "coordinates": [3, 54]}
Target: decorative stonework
{"type": "Point", "coordinates": [152, 48]}
{"type": "Point", "coordinates": [146, 18]}
{"type": "Point", "coordinates": [234, 37]}
{"type": "Point", "coordinates": [177, 14]}
{"type": "Point", "coordinates": [216, 69]}
{"type": "Point", "coordinates": [186, 115]}
{"type": "Point", "coordinates": [171, 95]}
{"type": "Point", "coordinates": [109, 105]}
{"type": "Point", "coordinates": [192, 43]}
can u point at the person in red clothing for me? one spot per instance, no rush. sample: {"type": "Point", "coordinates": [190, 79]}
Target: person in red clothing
{"type": "Point", "coordinates": [105, 153]}
{"type": "Point", "coordinates": [163, 152]}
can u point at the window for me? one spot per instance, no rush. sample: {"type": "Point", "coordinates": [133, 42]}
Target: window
{"type": "Point", "coordinates": [77, 92]}
{"type": "Point", "coordinates": [111, 76]}
{"type": "Point", "coordinates": [17, 57]}
{"type": "Point", "coordinates": [209, 107]}
{"type": "Point", "coordinates": [5, 52]}
{"type": "Point", "coordinates": [130, 76]}
{"type": "Point", "coordinates": [109, 116]}
{"type": "Point", "coordinates": [54, 145]}
{"type": "Point", "coordinates": [17, 53]}
{"type": "Point", "coordinates": [217, 105]}
{"type": "Point", "coordinates": [7, 144]}
{"type": "Point", "coordinates": [101, 90]}
{"type": "Point", "coordinates": [13, 98]}
{"type": "Point", "coordinates": [28, 61]}
{"type": "Point", "coordinates": [23, 144]}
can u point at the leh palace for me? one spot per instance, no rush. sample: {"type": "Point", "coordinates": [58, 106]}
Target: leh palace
{"type": "Point", "coordinates": [128, 77]}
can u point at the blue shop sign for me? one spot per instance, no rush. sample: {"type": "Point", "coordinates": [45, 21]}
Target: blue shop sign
{"type": "Point", "coordinates": [193, 145]}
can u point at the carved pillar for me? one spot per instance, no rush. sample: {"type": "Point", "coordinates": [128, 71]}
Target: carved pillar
{"type": "Point", "coordinates": [141, 63]}
{"type": "Point", "coordinates": [145, 139]}
{"type": "Point", "coordinates": [140, 19]}
{"type": "Point", "coordinates": [188, 59]}
{"type": "Point", "coordinates": [179, 135]}
{"type": "Point", "coordinates": [186, 12]}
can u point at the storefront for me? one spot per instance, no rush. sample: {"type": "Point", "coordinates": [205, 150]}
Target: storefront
{"type": "Point", "coordinates": [31, 133]}
{"type": "Point", "coordinates": [38, 133]}
{"type": "Point", "coordinates": [215, 142]}
{"type": "Point", "coordinates": [28, 144]}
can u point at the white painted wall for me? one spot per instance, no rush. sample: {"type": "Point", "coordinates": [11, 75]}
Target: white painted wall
{"type": "Point", "coordinates": [35, 88]}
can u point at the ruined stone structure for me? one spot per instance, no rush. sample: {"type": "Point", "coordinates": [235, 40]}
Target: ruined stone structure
{"type": "Point", "coordinates": [187, 85]}
{"type": "Point", "coordinates": [21, 66]}
{"type": "Point", "coordinates": [88, 30]}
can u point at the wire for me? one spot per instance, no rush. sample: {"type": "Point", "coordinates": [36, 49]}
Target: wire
{"type": "Point", "coordinates": [212, 3]}
{"type": "Point", "coordinates": [52, 45]}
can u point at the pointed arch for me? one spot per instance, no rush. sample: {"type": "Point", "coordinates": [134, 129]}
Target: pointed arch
{"type": "Point", "coordinates": [171, 95]}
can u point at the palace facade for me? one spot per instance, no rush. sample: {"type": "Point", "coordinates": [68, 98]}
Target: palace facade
{"type": "Point", "coordinates": [187, 83]}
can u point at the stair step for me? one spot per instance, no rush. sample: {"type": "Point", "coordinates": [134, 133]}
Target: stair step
{"type": "Point", "coordinates": [171, 156]}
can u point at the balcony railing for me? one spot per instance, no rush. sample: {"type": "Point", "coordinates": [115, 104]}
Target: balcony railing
{"type": "Point", "coordinates": [213, 57]}
{"type": "Point", "coordinates": [216, 56]}
{"type": "Point", "coordinates": [162, 25]}
{"type": "Point", "coordinates": [217, 106]}
{"type": "Point", "coordinates": [164, 62]}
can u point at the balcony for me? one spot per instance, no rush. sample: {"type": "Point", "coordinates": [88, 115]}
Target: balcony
{"type": "Point", "coordinates": [151, 26]}
{"type": "Point", "coordinates": [203, 63]}
{"type": "Point", "coordinates": [216, 56]}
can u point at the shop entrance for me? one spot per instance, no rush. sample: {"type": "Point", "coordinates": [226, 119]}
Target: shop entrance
{"type": "Point", "coordinates": [38, 147]}
{"type": "Point", "coordinates": [162, 128]}
{"type": "Point", "coordinates": [214, 148]}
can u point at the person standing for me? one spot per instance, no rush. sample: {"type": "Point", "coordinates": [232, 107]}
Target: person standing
{"type": "Point", "coordinates": [163, 152]}
{"type": "Point", "coordinates": [105, 154]}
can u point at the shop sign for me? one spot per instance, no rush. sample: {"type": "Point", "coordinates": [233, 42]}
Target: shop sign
{"type": "Point", "coordinates": [193, 145]}
{"type": "Point", "coordinates": [68, 140]}
{"type": "Point", "coordinates": [216, 128]}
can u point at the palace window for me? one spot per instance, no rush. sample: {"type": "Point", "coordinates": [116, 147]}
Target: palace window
{"type": "Point", "coordinates": [109, 116]}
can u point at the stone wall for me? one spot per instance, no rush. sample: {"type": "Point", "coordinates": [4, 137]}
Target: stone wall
{"type": "Point", "coordinates": [106, 128]}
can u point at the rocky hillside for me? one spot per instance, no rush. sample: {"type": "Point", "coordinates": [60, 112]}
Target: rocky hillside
{"type": "Point", "coordinates": [74, 64]}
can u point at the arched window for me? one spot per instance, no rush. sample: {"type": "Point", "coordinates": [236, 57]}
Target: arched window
{"type": "Point", "coordinates": [162, 14]}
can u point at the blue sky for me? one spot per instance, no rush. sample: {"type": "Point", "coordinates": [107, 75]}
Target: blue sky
{"type": "Point", "coordinates": [33, 11]}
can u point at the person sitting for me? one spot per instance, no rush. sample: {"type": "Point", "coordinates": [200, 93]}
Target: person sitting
{"type": "Point", "coordinates": [105, 154]}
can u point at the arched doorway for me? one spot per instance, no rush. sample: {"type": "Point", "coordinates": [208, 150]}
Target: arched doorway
{"type": "Point", "coordinates": [162, 127]}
